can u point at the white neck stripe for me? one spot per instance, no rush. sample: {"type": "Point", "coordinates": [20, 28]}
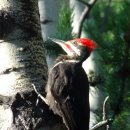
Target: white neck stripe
{"type": "Point", "coordinates": [61, 62]}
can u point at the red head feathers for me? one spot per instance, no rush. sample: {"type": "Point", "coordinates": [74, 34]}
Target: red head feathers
{"type": "Point", "coordinates": [90, 44]}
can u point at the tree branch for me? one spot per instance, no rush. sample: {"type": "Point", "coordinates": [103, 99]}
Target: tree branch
{"type": "Point", "coordinates": [85, 3]}
{"type": "Point", "coordinates": [100, 124]}
{"type": "Point", "coordinates": [105, 112]}
{"type": "Point", "coordinates": [105, 121]}
{"type": "Point", "coordinates": [105, 109]}
{"type": "Point", "coordinates": [85, 14]}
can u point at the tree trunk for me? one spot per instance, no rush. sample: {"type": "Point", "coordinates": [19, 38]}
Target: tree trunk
{"type": "Point", "coordinates": [23, 63]}
{"type": "Point", "coordinates": [49, 13]}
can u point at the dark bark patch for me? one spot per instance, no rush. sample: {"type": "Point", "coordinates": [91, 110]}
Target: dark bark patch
{"type": "Point", "coordinates": [46, 21]}
{"type": "Point", "coordinates": [27, 17]}
{"type": "Point", "coordinates": [28, 114]}
{"type": "Point", "coordinates": [6, 23]}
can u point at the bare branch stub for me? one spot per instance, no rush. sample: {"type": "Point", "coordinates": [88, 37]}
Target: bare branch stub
{"type": "Point", "coordinates": [105, 112]}
{"type": "Point", "coordinates": [105, 108]}
{"type": "Point", "coordinates": [39, 95]}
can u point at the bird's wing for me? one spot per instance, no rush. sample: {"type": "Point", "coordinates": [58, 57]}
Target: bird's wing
{"type": "Point", "coordinates": [68, 117]}
{"type": "Point", "coordinates": [61, 79]}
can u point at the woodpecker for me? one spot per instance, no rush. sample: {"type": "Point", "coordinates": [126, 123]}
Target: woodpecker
{"type": "Point", "coordinates": [68, 88]}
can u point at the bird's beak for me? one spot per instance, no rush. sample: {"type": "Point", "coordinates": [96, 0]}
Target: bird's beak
{"type": "Point", "coordinates": [66, 47]}
{"type": "Point", "coordinates": [59, 42]}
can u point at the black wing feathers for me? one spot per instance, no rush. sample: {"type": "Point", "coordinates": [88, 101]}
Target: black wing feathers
{"type": "Point", "coordinates": [69, 87]}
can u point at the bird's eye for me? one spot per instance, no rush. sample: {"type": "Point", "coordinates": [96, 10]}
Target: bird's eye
{"type": "Point", "coordinates": [75, 43]}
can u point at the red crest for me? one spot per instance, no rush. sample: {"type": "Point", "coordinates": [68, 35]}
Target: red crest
{"type": "Point", "coordinates": [90, 44]}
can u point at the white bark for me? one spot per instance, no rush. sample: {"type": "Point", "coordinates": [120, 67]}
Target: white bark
{"type": "Point", "coordinates": [6, 118]}
{"type": "Point", "coordinates": [49, 10]}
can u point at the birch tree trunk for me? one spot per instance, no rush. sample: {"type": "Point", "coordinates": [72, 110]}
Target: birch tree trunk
{"type": "Point", "coordinates": [22, 63]}
{"type": "Point", "coordinates": [49, 13]}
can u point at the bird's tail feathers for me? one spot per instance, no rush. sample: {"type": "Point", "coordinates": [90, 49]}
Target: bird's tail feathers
{"type": "Point", "coordinates": [68, 116]}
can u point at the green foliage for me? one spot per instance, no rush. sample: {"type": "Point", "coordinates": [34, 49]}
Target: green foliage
{"type": "Point", "coordinates": [122, 122]}
{"type": "Point", "coordinates": [107, 26]}
{"type": "Point", "coordinates": [64, 23]}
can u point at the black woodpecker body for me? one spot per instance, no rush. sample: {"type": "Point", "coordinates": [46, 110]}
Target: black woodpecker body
{"type": "Point", "coordinates": [68, 87]}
